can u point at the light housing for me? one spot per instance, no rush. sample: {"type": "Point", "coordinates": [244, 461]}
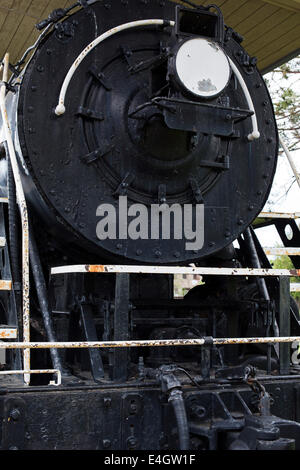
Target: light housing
{"type": "Point", "coordinates": [202, 67]}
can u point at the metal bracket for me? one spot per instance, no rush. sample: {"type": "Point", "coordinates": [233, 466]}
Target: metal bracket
{"type": "Point", "coordinates": [100, 77]}
{"type": "Point", "coordinates": [132, 422]}
{"type": "Point", "coordinates": [121, 327]}
{"type": "Point", "coordinates": [89, 113]}
{"type": "Point", "coordinates": [200, 117]}
{"type": "Point", "coordinates": [97, 154]}
{"type": "Point", "coordinates": [13, 424]}
{"type": "Point", "coordinates": [91, 335]}
{"type": "Point", "coordinates": [124, 185]}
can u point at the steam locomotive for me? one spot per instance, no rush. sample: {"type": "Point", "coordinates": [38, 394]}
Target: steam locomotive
{"type": "Point", "coordinates": [122, 107]}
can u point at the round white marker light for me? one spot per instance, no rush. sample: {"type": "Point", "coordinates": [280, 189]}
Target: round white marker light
{"type": "Point", "coordinates": [202, 67]}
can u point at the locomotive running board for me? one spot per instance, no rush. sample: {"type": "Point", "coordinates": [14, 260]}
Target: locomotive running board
{"type": "Point", "coordinates": [283, 339]}
{"type": "Point", "coordinates": [99, 268]}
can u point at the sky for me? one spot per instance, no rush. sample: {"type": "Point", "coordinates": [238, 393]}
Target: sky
{"type": "Point", "coordinates": [278, 200]}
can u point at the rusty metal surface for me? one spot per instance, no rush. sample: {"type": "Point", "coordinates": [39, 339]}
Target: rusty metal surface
{"type": "Point", "coordinates": [104, 344]}
{"type": "Point", "coordinates": [174, 270]}
{"type": "Point", "coordinates": [5, 285]}
{"type": "Point", "coordinates": [264, 340]}
{"type": "Point", "coordinates": [272, 251]}
{"type": "Point", "coordinates": [8, 333]}
{"type": "Point", "coordinates": [149, 343]}
{"type": "Point", "coordinates": [279, 215]}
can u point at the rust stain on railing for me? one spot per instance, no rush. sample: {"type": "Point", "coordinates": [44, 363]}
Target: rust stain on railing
{"type": "Point", "coordinates": [149, 343]}
{"type": "Point", "coordinates": [8, 333]}
{"type": "Point", "coordinates": [96, 268]}
{"type": "Point", "coordinates": [5, 285]}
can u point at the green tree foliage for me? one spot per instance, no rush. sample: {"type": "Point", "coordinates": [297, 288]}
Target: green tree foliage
{"type": "Point", "coordinates": [284, 262]}
{"type": "Point", "coordinates": [284, 85]}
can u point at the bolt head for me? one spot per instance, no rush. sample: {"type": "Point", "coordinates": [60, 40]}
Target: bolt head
{"type": "Point", "coordinates": [15, 414]}
{"type": "Point", "coordinates": [107, 402]}
{"type": "Point", "coordinates": [106, 443]}
{"type": "Point", "coordinates": [132, 442]}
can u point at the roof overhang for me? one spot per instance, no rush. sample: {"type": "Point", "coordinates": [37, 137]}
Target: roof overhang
{"type": "Point", "coordinates": [270, 27]}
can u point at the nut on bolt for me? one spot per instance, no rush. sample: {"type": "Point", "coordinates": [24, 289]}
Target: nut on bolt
{"type": "Point", "coordinates": [15, 414]}
{"type": "Point", "coordinates": [107, 402]}
{"type": "Point", "coordinates": [106, 443]}
{"type": "Point", "coordinates": [133, 408]}
{"type": "Point", "coordinates": [132, 442]}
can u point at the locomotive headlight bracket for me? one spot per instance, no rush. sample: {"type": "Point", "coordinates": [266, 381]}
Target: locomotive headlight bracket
{"type": "Point", "coordinates": [201, 67]}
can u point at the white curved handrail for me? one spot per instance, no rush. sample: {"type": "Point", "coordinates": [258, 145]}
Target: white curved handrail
{"type": "Point", "coordinates": [60, 108]}
{"type": "Point", "coordinates": [255, 134]}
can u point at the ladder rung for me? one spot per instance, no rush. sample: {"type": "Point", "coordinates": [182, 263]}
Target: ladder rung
{"type": "Point", "coordinates": [5, 285]}
{"type": "Point", "coordinates": [8, 333]}
{"type": "Point", "coordinates": [279, 215]}
{"type": "Point", "coordinates": [286, 251]}
{"type": "Point", "coordinates": [100, 268]}
{"type": "Point", "coordinates": [4, 200]}
{"type": "Point", "coordinates": [2, 241]}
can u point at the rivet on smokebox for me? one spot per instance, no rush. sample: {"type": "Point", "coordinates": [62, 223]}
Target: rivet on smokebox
{"type": "Point", "coordinates": [106, 443]}
{"type": "Point", "coordinates": [107, 402]}
{"type": "Point", "coordinates": [15, 414]}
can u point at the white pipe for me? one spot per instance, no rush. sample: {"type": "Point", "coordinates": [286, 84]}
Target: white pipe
{"type": "Point", "coordinates": [24, 217]}
{"type": "Point", "coordinates": [255, 134]}
{"type": "Point", "coordinates": [60, 108]}
{"type": "Point", "coordinates": [290, 159]}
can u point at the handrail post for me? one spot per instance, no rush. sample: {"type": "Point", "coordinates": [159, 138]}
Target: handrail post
{"type": "Point", "coordinates": [24, 218]}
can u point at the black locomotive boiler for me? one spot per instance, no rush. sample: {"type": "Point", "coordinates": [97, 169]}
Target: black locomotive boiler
{"type": "Point", "coordinates": [144, 104]}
